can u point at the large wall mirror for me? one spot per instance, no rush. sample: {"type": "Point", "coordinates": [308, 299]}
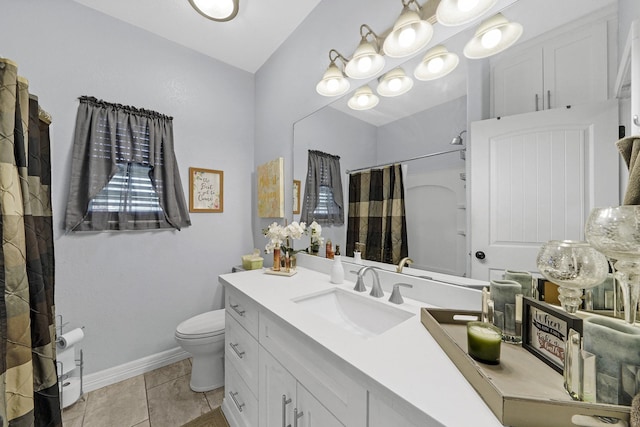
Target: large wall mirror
{"type": "Point", "coordinates": [426, 120]}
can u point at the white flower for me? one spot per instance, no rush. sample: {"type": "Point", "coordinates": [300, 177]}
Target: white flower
{"type": "Point", "coordinates": [295, 230]}
{"type": "Point", "coordinates": [316, 231]}
{"type": "Point", "coordinates": [278, 234]}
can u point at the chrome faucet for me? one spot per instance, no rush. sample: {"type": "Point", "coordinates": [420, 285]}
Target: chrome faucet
{"type": "Point", "coordinates": [401, 264]}
{"type": "Point", "coordinates": [376, 289]}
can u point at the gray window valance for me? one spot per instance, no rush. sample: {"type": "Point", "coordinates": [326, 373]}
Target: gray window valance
{"type": "Point", "coordinates": [323, 200]}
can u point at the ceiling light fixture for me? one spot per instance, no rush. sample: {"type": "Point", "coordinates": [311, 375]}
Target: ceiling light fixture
{"type": "Point", "coordinates": [410, 33]}
{"type": "Point", "coordinates": [366, 61]}
{"type": "Point", "coordinates": [457, 12]}
{"type": "Point", "coordinates": [363, 99]}
{"type": "Point", "coordinates": [216, 10]}
{"type": "Point", "coordinates": [333, 81]}
{"type": "Point", "coordinates": [438, 62]}
{"type": "Point", "coordinates": [492, 36]}
{"type": "Point", "coordinates": [394, 83]}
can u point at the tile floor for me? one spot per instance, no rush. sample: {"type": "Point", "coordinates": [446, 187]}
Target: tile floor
{"type": "Point", "coordinates": [160, 398]}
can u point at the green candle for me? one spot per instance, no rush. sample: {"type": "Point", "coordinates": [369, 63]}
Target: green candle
{"type": "Point", "coordinates": [483, 342]}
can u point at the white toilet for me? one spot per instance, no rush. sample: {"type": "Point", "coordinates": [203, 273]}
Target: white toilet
{"type": "Point", "coordinates": [203, 337]}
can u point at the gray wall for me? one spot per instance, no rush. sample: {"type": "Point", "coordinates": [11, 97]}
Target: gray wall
{"type": "Point", "coordinates": [130, 290]}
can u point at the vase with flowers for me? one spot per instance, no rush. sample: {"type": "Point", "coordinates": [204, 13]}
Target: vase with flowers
{"type": "Point", "coordinates": [315, 238]}
{"type": "Point", "coordinates": [280, 243]}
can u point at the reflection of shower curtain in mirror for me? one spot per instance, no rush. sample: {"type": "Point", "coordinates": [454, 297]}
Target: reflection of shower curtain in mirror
{"type": "Point", "coordinates": [28, 374]}
{"type": "Point", "coordinates": [377, 214]}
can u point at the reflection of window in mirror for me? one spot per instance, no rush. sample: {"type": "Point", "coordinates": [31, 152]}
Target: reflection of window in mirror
{"type": "Point", "coordinates": [326, 206]}
{"type": "Point", "coordinates": [323, 197]}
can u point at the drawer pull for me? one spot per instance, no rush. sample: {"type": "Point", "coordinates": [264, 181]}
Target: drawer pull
{"type": "Point", "coordinates": [296, 415]}
{"type": "Point", "coordinates": [235, 348]}
{"type": "Point", "coordinates": [237, 403]}
{"type": "Point", "coordinates": [238, 310]}
{"type": "Point", "coordinates": [285, 402]}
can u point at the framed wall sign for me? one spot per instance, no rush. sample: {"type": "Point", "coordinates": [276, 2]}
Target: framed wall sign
{"type": "Point", "coordinates": [545, 329]}
{"type": "Point", "coordinates": [205, 190]}
{"type": "Point", "coordinates": [296, 196]}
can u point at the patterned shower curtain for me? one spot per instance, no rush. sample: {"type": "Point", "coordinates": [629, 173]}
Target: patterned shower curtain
{"type": "Point", "coordinates": [29, 393]}
{"type": "Point", "coordinates": [377, 214]}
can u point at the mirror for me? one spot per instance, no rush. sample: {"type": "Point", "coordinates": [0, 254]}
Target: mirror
{"type": "Point", "coordinates": [420, 122]}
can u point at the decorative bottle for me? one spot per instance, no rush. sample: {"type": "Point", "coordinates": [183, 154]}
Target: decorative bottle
{"type": "Point", "coordinates": [337, 271]}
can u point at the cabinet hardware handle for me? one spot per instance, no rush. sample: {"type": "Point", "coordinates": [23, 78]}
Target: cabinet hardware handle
{"type": "Point", "coordinates": [285, 402]}
{"type": "Point", "coordinates": [296, 415]}
{"type": "Point", "coordinates": [235, 348]}
{"type": "Point", "coordinates": [537, 108]}
{"type": "Point", "coordinates": [238, 310]}
{"type": "Point", "coordinates": [549, 99]}
{"type": "Point", "coordinates": [238, 404]}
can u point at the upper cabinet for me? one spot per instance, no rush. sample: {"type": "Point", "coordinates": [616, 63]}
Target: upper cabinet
{"type": "Point", "coordinates": [568, 69]}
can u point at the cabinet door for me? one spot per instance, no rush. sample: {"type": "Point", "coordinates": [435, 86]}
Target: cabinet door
{"type": "Point", "coordinates": [313, 413]}
{"type": "Point", "coordinates": [516, 83]}
{"type": "Point", "coordinates": [277, 392]}
{"type": "Point", "coordinates": [575, 67]}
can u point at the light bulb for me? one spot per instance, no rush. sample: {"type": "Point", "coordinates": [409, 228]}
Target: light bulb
{"type": "Point", "coordinates": [407, 37]}
{"type": "Point", "coordinates": [467, 5]}
{"type": "Point", "coordinates": [491, 38]}
{"type": "Point", "coordinates": [215, 8]}
{"type": "Point", "coordinates": [364, 64]}
{"type": "Point", "coordinates": [363, 100]}
{"type": "Point", "coordinates": [332, 85]}
{"type": "Point", "coordinates": [435, 65]}
{"type": "Point", "coordinates": [395, 84]}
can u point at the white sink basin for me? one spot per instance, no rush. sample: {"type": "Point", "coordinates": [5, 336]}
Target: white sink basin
{"type": "Point", "coordinates": [361, 315]}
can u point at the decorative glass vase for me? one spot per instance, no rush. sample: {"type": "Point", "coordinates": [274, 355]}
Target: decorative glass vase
{"type": "Point", "coordinates": [314, 249]}
{"type": "Point", "coordinates": [276, 259]}
{"type": "Point", "coordinates": [573, 266]}
{"type": "Point", "coordinates": [615, 231]}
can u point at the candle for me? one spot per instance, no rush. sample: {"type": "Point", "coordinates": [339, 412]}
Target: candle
{"type": "Point", "coordinates": [483, 342]}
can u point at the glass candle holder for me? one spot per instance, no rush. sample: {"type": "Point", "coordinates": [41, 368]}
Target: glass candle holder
{"type": "Point", "coordinates": [483, 342]}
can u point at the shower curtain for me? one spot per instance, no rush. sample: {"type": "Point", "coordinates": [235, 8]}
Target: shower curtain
{"type": "Point", "coordinates": [29, 383]}
{"type": "Point", "coordinates": [377, 214]}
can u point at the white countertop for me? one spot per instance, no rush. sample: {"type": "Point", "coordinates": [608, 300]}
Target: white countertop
{"type": "Point", "coordinates": [404, 360]}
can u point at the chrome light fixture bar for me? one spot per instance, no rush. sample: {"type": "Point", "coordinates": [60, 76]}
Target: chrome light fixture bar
{"type": "Point", "coordinates": [333, 82]}
{"type": "Point", "coordinates": [366, 61]}
{"type": "Point", "coordinates": [457, 12]}
{"type": "Point", "coordinates": [438, 62]}
{"type": "Point", "coordinates": [216, 10]}
{"type": "Point", "coordinates": [492, 36]}
{"type": "Point", "coordinates": [410, 33]}
{"type": "Point", "coordinates": [363, 99]}
{"type": "Point", "coordinates": [394, 83]}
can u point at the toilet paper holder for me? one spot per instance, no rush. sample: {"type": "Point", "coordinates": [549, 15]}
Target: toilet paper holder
{"type": "Point", "coordinates": [64, 376]}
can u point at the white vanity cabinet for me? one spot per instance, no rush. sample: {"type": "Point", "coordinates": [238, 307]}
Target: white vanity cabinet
{"type": "Point", "coordinates": [568, 69]}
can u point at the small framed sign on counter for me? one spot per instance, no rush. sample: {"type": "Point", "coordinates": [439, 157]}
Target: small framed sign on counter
{"type": "Point", "coordinates": [545, 329]}
{"type": "Point", "coordinates": [205, 190]}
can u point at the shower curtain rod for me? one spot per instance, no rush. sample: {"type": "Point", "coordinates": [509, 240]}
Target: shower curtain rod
{"type": "Point", "coordinates": [406, 160]}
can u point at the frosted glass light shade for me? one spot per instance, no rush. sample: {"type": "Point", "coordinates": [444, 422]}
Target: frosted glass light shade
{"type": "Point", "coordinates": [457, 12]}
{"type": "Point", "coordinates": [366, 61]}
{"type": "Point", "coordinates": [409, 35]}
{"type": "Point", "coordinates": [216, 10]}
{"type": "Point", "coordinates": [492, 36]}
{"type": "Point", "coordinates": [394, 83]}
{"type": "Point", "coordinates": [438, 62]}
{"type": "Point", "coordinates": [363, 99]}
{"type": "Point", "coordinates": [333, 82]}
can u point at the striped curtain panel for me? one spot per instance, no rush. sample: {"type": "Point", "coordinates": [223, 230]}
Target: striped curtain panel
{"type": "Point", "coordinates": [377, 214]}
{"type": "Point", "coordinates": [29, 383]}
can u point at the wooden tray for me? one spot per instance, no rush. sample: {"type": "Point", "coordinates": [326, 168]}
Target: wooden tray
{"type": "Point", "coordinates": [522, 391]}
{"type": "Point", "coordinates": [280, 273]}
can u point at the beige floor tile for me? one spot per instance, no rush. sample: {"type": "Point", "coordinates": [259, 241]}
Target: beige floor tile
{"type": "Point", "coordinates": [214, 397]}
{"type": "Point", "coordinates": [174, 404]}
{"type": "Point", "coordinates": [121, 404]}
{"type": "Point", "coordinates": [74, 422]}
{"type": "Point", "coordinates": [167, 373]}
{"type": "Point", "coordinates": [74, 411]}
{"type": "Point", "coordinates": [145, 423]}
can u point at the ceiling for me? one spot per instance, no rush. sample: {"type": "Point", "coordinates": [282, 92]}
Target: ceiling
{"type": "Point", "coordinates": [246, 42]}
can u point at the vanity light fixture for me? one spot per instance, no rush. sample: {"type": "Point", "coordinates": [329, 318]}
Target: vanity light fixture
{"type": "Point", "coordinates": [457, 12]}
{"type": "Point", "coordinates": [410, 33]}
{"type": "Point", "coordinates": [363, 99]}
{"type": "Point", "coordinates": [394, 83]}
{"type": "Point", "coordinates": [437, 62]}
{"type": "Point", "coordinates": [216, 10]}
{"type": "Point", "coordinates": [366, 61]}
{"type": "Point", "coordinates": [492, 36]}
{"type": "Point", "coordinates": [333, 82]}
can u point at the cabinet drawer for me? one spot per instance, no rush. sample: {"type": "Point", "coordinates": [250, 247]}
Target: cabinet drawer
{"type": "Point", "coordinates": [241, 350]}
{"type": "Point", "coordinates": [240, 406]}
{"type": "Point", "coordinates": [243, 309]}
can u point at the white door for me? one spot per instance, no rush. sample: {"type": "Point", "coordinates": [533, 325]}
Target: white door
{"type": "Point", "coordinates": [277, 395]}
{"type": "Point", "coordinates": [535, 177]}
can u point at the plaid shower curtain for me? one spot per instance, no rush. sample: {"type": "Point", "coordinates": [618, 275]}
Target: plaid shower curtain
{"type": "Point", "coordinates": [377, 214]}
{"type": "Point", "coordinates": [29, 385]}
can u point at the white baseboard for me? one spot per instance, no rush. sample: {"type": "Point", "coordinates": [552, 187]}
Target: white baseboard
{"type": "Point", "coordinates": [131, 369]}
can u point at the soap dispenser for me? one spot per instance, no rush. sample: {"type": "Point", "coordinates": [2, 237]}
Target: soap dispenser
{"type": "Point", "coordinates": [337, 271]}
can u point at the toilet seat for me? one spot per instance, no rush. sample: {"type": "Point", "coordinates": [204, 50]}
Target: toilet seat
{"type": "Point", "coordinates": [203, 325]}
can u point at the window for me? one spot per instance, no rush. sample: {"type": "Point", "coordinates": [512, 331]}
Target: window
{"type": "Point", "coordinates": [323, 198]}
{"type": "Point", "coordinates": [124, 173]}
